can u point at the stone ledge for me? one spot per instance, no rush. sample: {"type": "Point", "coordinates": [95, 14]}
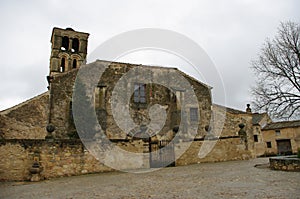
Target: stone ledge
{"type": "Point", "coordinates": [285, 163]}
{"type": "Point", "coordinates": [30, 142]}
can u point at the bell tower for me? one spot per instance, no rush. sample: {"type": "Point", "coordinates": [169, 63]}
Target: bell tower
{"type": "Point", "coordinates": [68, 50]}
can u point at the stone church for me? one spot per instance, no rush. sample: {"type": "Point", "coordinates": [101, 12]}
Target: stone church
{"type": "Point", "coordinates": [47, 136]}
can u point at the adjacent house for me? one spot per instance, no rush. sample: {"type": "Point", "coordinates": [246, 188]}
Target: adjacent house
{"type": "Point", "coordinates": [281, 138]}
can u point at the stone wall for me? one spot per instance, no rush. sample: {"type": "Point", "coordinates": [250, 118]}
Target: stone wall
{"type": "Point", "coordinates": [260, 145]}
{"type": "Point", "coordinates": [63, 158]}
{"type": "Point", "coordinates": [224, 149]}
{"type": "Point", "coordinates": [26, 120]}
{"type": "Point", "coordinates": [57, 158]}
{"type": "Point", "coordinates": [69, 157]}
{"type": "Point", "coordinates": [285, 133]}
{"type": "Point", "coordinates": [229, 126]}
{"type": "Point", "coordinates": [285, 163]}
{"type": "Point", "coordinates": [61, 90]}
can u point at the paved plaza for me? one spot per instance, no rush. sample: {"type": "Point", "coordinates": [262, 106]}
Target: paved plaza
{"type": "Point", "coordinates": [233, 179]}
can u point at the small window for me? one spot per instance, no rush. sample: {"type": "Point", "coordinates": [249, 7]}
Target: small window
{"type": "Point", "coordinates": [75, 45]}
{"type": "Point", "coordinates": [194, 114]}
{"type": "Point", "coordinates": [255, 137]}
{"type": "Point", "coordinates": [277, 132]}
{"type": "Point", "coordinates": [269, 145]}
{"type": "Point", "coordinates": [74, 64]}
{"type": "Point", "coordinates": [139, 93]}
{"type": "Point", "coordinates": [62, 65]}
{"type": "Point", "coordinates": [65, 43]}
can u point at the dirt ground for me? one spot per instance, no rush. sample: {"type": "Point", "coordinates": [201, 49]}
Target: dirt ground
{"type": "Point", "coordinates": [234, 179]}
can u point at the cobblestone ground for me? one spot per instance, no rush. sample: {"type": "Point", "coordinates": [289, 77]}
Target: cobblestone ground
{"type": "Point", "coordinates": [234, 179]}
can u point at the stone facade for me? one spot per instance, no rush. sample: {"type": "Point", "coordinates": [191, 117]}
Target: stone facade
{"type": "Point", "coordinates": [204, 132]}
{"type": "Point", "coordinates": [69, 49]}
{"type": "Point", "coordinates": [61, 91]}
{"type": "Point", "coordinates": [57, 158]}
{"type": "Point", "coordinates": [225, 149]}
{"type": "Point", "coordinates": [26, 120]}
{"type": "Point", "coordinates": [259, 121]}
{"type": "Point", "coordinates": [281, 138]}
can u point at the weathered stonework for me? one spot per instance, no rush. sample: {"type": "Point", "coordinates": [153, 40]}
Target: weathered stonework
{"type": "Point", "coordinates": [224, 150]}
{"type": "Point", "coordinates": [26, 120]}
{"type": "Point", "coordinates": [292, 134]}
{"type": "Point", "coordinates": [57, 158]}
{"type": "Point", "coordinates": [23, 141]}
{"type": "Point", "coordinates": [259, 121]}
{"type": "Point", "coordinates": [285, 163]}
{"type": "Point", "coordinates": [69, 49]}
{"type": "Point", "coordinates": [61, 90]}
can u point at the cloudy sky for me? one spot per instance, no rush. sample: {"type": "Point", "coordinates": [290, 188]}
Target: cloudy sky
{"type": "Point", "coordinates": [231, 33]}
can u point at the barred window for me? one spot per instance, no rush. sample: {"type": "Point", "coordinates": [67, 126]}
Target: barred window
{"type": "Point", "coordinates": [194, 114]}
{"type": "Point", "coordinates": [139, 93]}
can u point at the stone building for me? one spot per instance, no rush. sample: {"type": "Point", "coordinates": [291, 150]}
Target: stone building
{"type": "Point", "coordinates": [259, 121]}
{"type": "Point", "coordinates": [282, 138]}
{"type": "Point", "coordinates": [167, 121]}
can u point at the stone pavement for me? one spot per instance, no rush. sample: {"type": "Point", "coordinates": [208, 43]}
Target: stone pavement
{"type": "Point", "coordinates": [234, 179]}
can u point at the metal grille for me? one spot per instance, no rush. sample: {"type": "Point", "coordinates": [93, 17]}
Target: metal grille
{"type": "Point", "coordinates": [162, 154]}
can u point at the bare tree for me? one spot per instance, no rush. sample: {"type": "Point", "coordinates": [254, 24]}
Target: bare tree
{"type": "Point", "coordinates": [277, 67]}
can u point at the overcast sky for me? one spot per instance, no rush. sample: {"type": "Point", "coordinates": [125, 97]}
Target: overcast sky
{"type": "Point", "coordinates": [231, 32]}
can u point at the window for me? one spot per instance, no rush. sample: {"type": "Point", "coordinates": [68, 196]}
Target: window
{"type": "Point", "coordinates": [62, 65]}
{"type": "Point", "coordinates": [74, 64]}
{"type": "Point", "coordinates": [139, 93]}
{"type": "Point", "coordinates": [75, 45]}
{"type": "Point", "coordinates": [277, 132]}
{"type": "Point", "coordinates": [65, 43]}
{"type": "Point", "coordinates": [255, 137]}
{"type": "Point", "coordinates": [269, 145]}
{"type": "Point", "coordinates": [194, 114]}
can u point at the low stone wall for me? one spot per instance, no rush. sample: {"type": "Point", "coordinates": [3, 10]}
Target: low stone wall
{"type": "Point", "coordinates": [224, 149]}
{"type": "Point", "coordinates": [68, 157]}
{"type": "Point", "coordinates": [57, 158]}
{"type": "Point", "coordinates": [285, 163]}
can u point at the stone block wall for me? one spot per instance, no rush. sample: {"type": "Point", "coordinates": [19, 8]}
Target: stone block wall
{"type": "Point", "coordinates": [285, 133]}
{"type": "Point", "coordinates": [14, 162]}
{"type": "Point", "coordinates": [57, 158]}
{"type": "Point", "coordinates": [229, 127]}
{"type": "Point", "coordinates": [285, 163]}
{"type": "Point", "coordinates": [62, 158]}
{"type": "Point", "coordinates": [27, 120]}
{"type": "Point", "coordinates": [61, 90]}
{"type": "Point", "coordinates": [224, 150]}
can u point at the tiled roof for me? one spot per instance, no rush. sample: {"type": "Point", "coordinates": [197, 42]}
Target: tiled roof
{"type": "Point", "coordinates": [281, 125]}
